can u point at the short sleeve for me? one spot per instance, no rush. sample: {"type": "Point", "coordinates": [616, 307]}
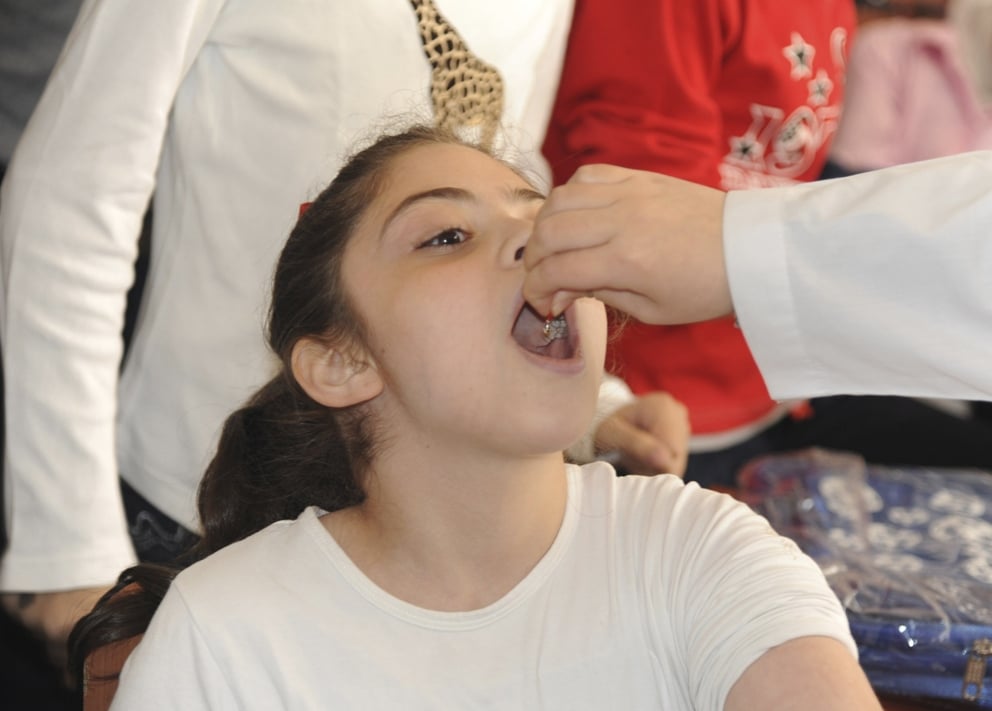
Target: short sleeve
{"type": "Point", "coordinates": [727, 588]}
{"type": "Point", "coordinates": [173, 667]}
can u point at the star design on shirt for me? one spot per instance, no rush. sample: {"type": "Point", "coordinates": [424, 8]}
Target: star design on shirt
{"type": "Point", "coordinates": [744, 149]}
{"type": "Point", "coordinates": [800, 55]}
{"type": "Point", "coordinates": [819, 89]}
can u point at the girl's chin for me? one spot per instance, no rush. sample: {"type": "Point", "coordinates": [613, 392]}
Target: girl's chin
{"type": "Point", "coordinates": [563, 439]}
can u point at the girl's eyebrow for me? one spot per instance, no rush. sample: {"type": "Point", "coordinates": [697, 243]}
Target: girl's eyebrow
{"type": "Point", "coordinates": [516, 194]}
{"type": "Point", "coordinates": [527, 195]}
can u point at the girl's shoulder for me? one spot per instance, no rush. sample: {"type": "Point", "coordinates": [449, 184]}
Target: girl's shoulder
{"type": "Point", "coordinates": [642, 513]}
{"type": "Point", "coordinates": [600, 489]}
{"type": "Point", "coordinates": [280, 551]}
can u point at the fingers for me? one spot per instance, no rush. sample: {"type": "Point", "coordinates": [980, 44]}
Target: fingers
{"type": "Point", "coordinates": [667, 421]}
{"type": "Point", "coordinates": [646, 244]}
{"type": "Point", "coordinates": [641, 450]}
{"type": "Point", "coordinates": [563, 229]}
{"type": "Point", "coordinates": [575, 249]}
{"type": "Point", "coordinates": [20, 606]}
{"type": "Point", "coordinates": [676, 461]}
{"type": "Point", "coordinates": [554, 283]}
{"type": "Point", "coordinates": [574, 216]}
{"type": "Point", "coordinates": [572, 253]}
{"type": "Point", "coordinates": [51, 616]}
{"type": "Point", "coordinates": [599, 173]}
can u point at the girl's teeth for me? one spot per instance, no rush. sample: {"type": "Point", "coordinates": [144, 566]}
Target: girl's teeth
{"type": "Point", "coordinates": [555, 328]}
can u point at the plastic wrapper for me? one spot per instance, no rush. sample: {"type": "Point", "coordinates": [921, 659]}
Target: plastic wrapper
{"type": "Point", "coordinates": [908, 550]}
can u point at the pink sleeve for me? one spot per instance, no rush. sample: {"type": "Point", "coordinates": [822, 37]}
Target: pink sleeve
{"type": "Point", "coordinates": [869, 130]}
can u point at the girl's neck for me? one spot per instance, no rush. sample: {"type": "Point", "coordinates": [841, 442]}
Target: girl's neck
{"type": "Point", "coordinates": [457, 535]}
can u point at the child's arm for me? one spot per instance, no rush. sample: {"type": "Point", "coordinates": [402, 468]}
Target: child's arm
{"type": "Point", "coordinates": [804, 674]}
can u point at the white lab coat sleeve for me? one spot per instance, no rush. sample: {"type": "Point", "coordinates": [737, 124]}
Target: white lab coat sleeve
{"type": "Point", "coordinates": [73, 200]}
{"type": "Point", "coordinates": [880, 283]}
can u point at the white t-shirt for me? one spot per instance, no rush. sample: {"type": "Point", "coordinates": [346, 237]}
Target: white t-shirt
{"type": "Point", "coordinates": [654, 595]}
{"type": "Point", "coordinates": [880, 283]}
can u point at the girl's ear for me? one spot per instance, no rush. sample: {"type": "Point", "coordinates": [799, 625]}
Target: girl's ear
{"type": "Point", "coordinates": [332, 376]}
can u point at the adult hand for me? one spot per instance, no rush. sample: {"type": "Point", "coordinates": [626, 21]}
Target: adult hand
{"type": "Point", "coordinates": [651, 435]}
{"type": "Point", "coordinates": [647, 244]}
{"type": "Point", "coordinates": [50, 616]}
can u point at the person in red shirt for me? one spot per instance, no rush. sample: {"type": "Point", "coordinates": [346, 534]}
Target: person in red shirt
{"type": "Point", "coordinates": [732, 94]}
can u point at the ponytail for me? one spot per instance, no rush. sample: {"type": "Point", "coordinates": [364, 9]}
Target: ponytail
{"type": "Point", "coordinates": [279, 454]}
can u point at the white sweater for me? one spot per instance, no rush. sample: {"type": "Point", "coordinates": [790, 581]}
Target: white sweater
{"type": "Point", "coordinates": [233, 112]}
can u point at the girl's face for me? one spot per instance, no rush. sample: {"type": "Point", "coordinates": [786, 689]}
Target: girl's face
{"type": "Point", "coordinates": [434, 268]}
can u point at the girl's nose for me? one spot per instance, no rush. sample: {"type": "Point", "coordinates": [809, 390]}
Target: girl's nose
{"type": "Point", "coordinates": [513, 248]}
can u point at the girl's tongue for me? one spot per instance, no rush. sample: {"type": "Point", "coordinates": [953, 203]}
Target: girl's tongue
{"type": "Point", "coordinates": [546, 338]}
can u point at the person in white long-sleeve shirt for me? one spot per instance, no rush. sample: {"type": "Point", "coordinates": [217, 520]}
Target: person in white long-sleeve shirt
{"type": "Point", "coordinates": [879, 283]}
{"type": "Point", "coordinates": [233, 112]}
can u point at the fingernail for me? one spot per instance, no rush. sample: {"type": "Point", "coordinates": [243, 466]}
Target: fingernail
{"type": "Point", "coordinates": [664, 457]}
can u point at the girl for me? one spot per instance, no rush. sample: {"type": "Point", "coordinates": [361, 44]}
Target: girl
{"type": "Point", "coordinates": [390, 520]}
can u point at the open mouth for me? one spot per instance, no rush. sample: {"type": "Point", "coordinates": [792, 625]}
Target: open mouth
{"type": "Point", "coordinates": [550, 339]}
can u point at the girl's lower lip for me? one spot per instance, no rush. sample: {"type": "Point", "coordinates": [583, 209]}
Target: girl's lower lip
{"type": "Point", "coordinates": [571, 366]}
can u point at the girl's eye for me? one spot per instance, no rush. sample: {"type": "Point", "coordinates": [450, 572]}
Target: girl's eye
{"type": "Point", "coordinates": [446, 238]}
